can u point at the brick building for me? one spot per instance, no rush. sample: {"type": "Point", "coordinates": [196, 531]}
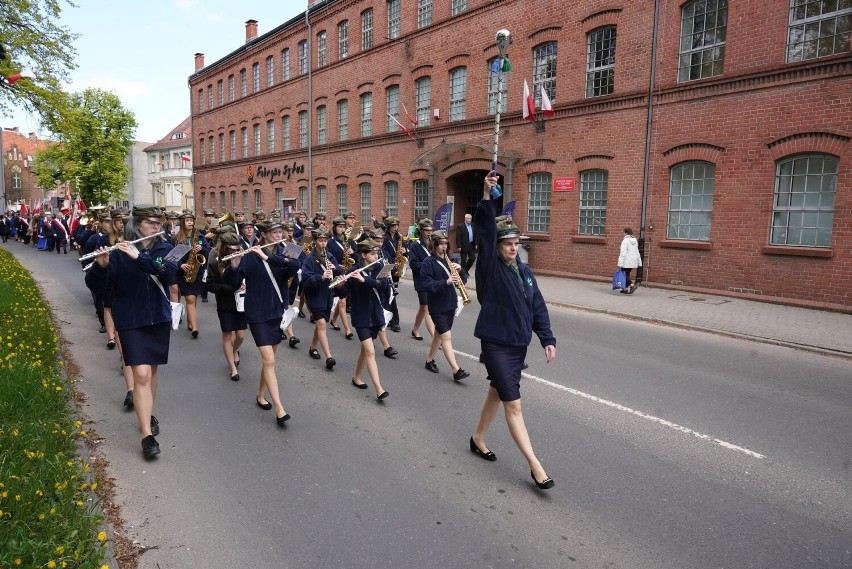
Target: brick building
{"type": "Point", "coordinates": [720, 133]}
{"type": "Point", "coordinates": [20, 183]}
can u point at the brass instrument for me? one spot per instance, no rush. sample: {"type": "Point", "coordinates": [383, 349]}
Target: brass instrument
{"type": "Point", "coordinates": [226, 219]}
{"type": "Point", "coordinates": [195, 260]}
{"type": "Point", "coordinates": [400, 259]}
{"type": "Point", "coordinates": [462, 290]}
{"type": "Point", "coordinates": [347, 261]}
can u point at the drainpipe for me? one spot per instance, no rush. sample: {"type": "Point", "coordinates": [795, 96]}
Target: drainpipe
{"type": "Point", "coordinates": [310, 107]}
{"type": "Point", "coordinates": [650, 121]}
{"type": "Point", "coordinates": [431, 189]}
{"type": "Point", "coordinates": [508, 181]}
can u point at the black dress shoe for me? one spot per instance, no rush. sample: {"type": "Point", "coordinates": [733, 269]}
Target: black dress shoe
{"type": "Point", "coordinates": [350, 335]}
{"type": "Point", "coordinates": [293, 341]}
{"type": "Point", "coordinates": [265, 406]}
{"type": "Point", "coordinates": [330, 363]}
{"type": "Point", "coordinates": [432, 366]}
{"type": "Point", "coordinates": [237, 362]}
{"type": "Point", "coordinates": [301, 314]}
{"type": "Point", "coordinates": [235, 377]}
{"type": "Point", "coordinates": [194, 334]}
{"type": "Point", "coordinates": [128, 399]}
{"type": "Point", "coordinates": [150, 447]}
{"type": "Point", "coordinates": [395, 329]}
{"type": "Point", "coordinates": [314, 353]}
{"type": "Point", "coordinates": [203, 299]}
{"type": "Point", "coordinates": [390, 352]}
{"type": "Point", "coordinates": [155, 426]}
{"type": "Point", "coordinates": [334, 326]}
{"type": "Point", "coordinates": [313, 319]}
{"type": "Point", "coordinates": [111, 344]}
{"type": "Point", "coordinates": [415, 336]}
{"type": "Point", "coordinates": [489, 456]}
{"type": "Point", "coordinates": [102, 329]}
{"type": "Point", "coordinates": [283, 419]}
{"type": "Point", "coordinates": [460, 375]}
{"type": "Point", "coordinates": [381, 396]}
{"type": "Point", "coordinates": [545, 484]}
{"type": "Point", "coordinates": [359, 385]}
{"type": "Point", "coordinates": [525, 366]}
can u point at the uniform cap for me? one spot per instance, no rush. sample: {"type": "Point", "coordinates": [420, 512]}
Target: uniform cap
{"type": "Point", "coordinates": [186, 213]}
{"type": "Point", "coordinates": [368, 245]}
{"type": "Point", "coordinates": [147, 210]}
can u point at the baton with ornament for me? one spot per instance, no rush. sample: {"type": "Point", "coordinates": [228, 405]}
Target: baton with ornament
{"type": "Point", "coordinates": [503, 40]}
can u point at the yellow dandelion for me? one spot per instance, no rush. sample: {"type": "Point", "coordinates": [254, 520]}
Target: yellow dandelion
{"type": "Point", "coordinates": [51, 564]}
{"type": "Point", "coordinates": [86, 468]}
{"type": "Point", "coordinates": [41, 516]}
{"type": "Point", "coordinates": [60, 550]}
{"type": "Point", "coordinates": [1, 513]}
{"type": "Point", "coordinates": [94, 486]}
{"type": "Point", "coordinates": [52, 511]}
{"type": "Point", "coordinates": [102, 536]}
{"type": "Point", "coordinates": [18, 561]}
{"type": "Point", "coordinates": [79, 503]}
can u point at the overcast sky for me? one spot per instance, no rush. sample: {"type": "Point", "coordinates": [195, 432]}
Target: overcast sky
{"type": "Point", "coordinates": [143, 51]}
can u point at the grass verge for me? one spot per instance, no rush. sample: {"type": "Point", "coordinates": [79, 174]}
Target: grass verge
{"type": "Point", "coordinates": [49, 512]}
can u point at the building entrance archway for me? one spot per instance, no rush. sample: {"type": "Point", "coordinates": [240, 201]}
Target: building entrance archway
{"type": "Point", "coordinates": [466, 189]}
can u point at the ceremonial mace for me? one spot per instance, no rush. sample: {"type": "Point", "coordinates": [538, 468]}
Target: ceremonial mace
{"type": "Point", "coordinates": [503, 40]}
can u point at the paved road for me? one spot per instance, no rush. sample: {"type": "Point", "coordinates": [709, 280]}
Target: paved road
{"type": "Point", "coordinates": [670, 448]}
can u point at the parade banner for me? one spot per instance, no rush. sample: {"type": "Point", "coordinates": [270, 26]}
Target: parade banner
{"type": "Point", "coordinates": [509, 209]}
{"type": "Point", "coordinates": [443, 218]}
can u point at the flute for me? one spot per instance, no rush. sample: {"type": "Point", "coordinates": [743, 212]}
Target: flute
{"type": "Point", "coordinates": [247, 251]}
{"type": "Point", "coordinates": [342, 278]}
{"type": "Point", "coordinates": [108, 249]}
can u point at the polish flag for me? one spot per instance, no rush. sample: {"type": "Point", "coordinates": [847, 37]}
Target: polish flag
{"type": "Point", "coordinates": [410, 118]}
{"type": "Point", "coordinates": [546, 107]}
{"type": "Point", "coordinates": [529, 104]}
{"type": "Point", "coordinates": [186, 158]}
{"type": "Point", "coordinates": [81, 205]}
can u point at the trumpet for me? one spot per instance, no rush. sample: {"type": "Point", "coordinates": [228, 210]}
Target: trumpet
{"type": "Point", "coordinates": [109, 249]}
{"type": "Point", "coordinates": [337, 281]}
{"type": "Point", "coordinates": [247, 251]}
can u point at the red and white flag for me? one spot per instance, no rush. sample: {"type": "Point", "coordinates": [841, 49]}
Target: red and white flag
{"type": "Point", "coordinates": [546, 107]}
{"type": "Point", "coordinates": [408, 132]}
{"type": "Point", "coordinates": [410, 118]}
{"type": "Point", "coordinates": [81, 205]}
{"type": "Point", "coordinates": [529, 104]}
{"type": "Point", "coordinates": [186, 158]}
{"type": "Point", "coordinates": [23, 211]}
{"type": "Point", "coordinates": [37, 208]}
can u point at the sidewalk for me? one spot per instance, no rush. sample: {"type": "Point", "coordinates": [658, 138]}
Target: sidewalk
{"type": "Point", "coordinates": [813, 330]}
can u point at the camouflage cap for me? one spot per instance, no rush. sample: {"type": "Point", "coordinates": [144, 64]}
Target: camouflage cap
{"type": "Point", "coordinates": [506, 228]}
{"type": "Point", "coordinates": [229, 238]}
{"type": "Point", "coordinates": [147, 210]}
{"type": "Point", "coordinates": [268, 226]}
{"type": "Point", "coordinates": [209, 212]}
{"type": "Point", "coordinates": [338, 221]}
{"type": "Point", "coordinates": [368, 245]}
{"type": "Point", "coordinates": [391, 220]}
{"type": "Point", "coordinates": [172, 215]}
{"type": "Point", "coordinates": [319, 233]}
{"type": "Point", "coordinates": [440, 234]}
{"type": "Point", "coordinates": [259, 213]}
{"type": "Point", "coordinates": [186, 213]}
{"type": "Point", "coordinates": [349, 214]}
{"type": "Point", "coordinates": [426, 223]}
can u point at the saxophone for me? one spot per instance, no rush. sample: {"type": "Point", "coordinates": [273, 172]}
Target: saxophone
{"type": "Point", "coordinates": [195, 260]}
{"type": "Point", "coordinates": [462, 290]}
{"type": "Point", "coordinates": [400, 259]}
{"type": "Point", "coordinates": [346, 261]}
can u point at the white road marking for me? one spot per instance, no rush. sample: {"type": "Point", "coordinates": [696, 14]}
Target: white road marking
{"type": "Point", "coordinates": [634, 412]}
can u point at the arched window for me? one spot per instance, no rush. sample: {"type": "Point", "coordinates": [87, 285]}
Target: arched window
{"type": "Point", "coordinates": [803, 209]}
{"type": "Point", "coordinates": [691, 200]}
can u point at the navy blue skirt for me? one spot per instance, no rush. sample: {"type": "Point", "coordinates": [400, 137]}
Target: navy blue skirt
{"type": "Point", "coordinates": [190, 289]}
{"type": "Point", "coordinates": [231, 320]}
{"type": "Point", "coordinates": [422, 297]}
{"type": "Point", "coordinates": [369, 333]}
{"type": "Point", "coordinates": [268, 333]}
{"type": "Point", "coordinates": [148, 345]}
{"type": "Point", "coordinates": [443, 321]}
{"type": "Point", "coordinates": [320, 314]}
{"type": "Point", "coordinates": [504, 364]}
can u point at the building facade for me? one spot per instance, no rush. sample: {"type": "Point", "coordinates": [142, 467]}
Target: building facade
{"type": "Point", "coordinates": [169, 170]}
{"type": "Point", "coordinates": [719, 132]}
{"type": "Point", "coordinates": [19, 179]}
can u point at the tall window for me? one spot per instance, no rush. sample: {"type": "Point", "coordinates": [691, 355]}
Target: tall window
{"type": "Point", "coordinates": [342, 120]}
{"type": "Point", "coordinates": [544, 71]}
{"type": "Point", "coordinates": [304, 198]}
{"type": "Point", "coordinates": [691, 201]}
{"type": "Point", "coordinates": [285, 132]}
{"type": "Point", "coordinates": [210, 96]}
{"type": "Point", "coordinates": [303, 57]}
{"type": "Point", "coordinates": [459, 6]}
{"type": "Point", "coordinates": [343, 39]}
{"type": "Point", "coordinates": [391, 197]}
{"type": "Point", "coordinates": [367, 29]}
{"type": "Point", "coordinates": [220, 87]}
{"type": "Point", "coordinates": [221, 147]}
{"type": "Point", "coordinates": [322, 125]}
{"type": "Point", "coordinates": [233, 200]}
{"type": "Point", "coordinates": [201, 100]}
{"type": "Point", "coordinates": [270, 71]}
{"type": "Point", "coordinates": [270, 136]}
{"type": "Point", "coordinates": [421, 198]}
{"type": "Point", "coordinates": [366, 199]}
{"type": "Point", "coordinates": [303, 129]}
{"type": "Point", "coordinates": [593, 189]}
{"type": "Point", "coordinates": [322, 52]}
{"type": "Point", "coordinates": [392, 96]}
{"type": "Point", "coordinates": [424, 100]}
{"type": "Point", "coordinates": [458, 93]}
{"type": "Point", "coordinates": [255, 77]}
{"type": "Point", "coordinates": [231, 93]}
{"type": "Point", "coordinates": [393, 18]}
{"type": "Point", "coordinates": [285, 64]}
{"type": "Point", "coordinates": [202, 152]}
{"type": "Point", "coordinates": [492, 91]}
{"type": "Point", "coordinates": [213, 200]}
{"type": "Point", "coordinates": [233, 142]}
{"type": "Point", "coordinates": [244, 136]}
{"type": "Point", "coordinates": [279, 197]}
{"type": "Point", "coordinates": [203, 197]}
{"type": "Point", "coordinates": [223, 205]}
{"type": "Point", "coordinates": [366, 114]}
{"type": "Point", "coordinates": [322, 198]}
{"type": "Point", "coordinates": [424, 13]}
{"type": "Point", "coordinates": [803, 212]}
{"type": "Point", "coordinates": [818, 28]}
{"type": "Point", "coordinates": [538, 209]}
{"type": "Point", "coordinates": [341, 199]}
{"type": "Point", "coordinates": [212, 150]}
{"type": "Point", "coordinates": [600, 62]}
{"type": "Point", "coordinates": [243, 85]}
{"type": "Point", "coordinates": [258, 203]}
{"type": "Point", "coordinates": [257, 140]}
{"type": "Point", "coordinates": [245, 205]}
{"type": "Point", "coordinates": [703, 27]}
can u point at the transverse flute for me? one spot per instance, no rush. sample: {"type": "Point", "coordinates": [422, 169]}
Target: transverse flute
{"type": "Point", "coordinates": [337, 281]}
{"type": "Point", "coordinates": [247, 251]}
{"type": "Point", "coordinates": [108, 249]}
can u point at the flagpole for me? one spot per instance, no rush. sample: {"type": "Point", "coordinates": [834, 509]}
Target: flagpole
{"type": "Point", "coordinates": [503, 40]}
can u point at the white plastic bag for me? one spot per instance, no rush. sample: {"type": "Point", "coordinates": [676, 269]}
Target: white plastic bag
{"type": "Point", "coordinates": [177, 312]}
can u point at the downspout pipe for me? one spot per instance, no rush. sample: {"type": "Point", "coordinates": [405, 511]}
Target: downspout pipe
{"type": "Point", "coordinates": [310, 107]}
{"type": "Point", "coordinates": [650, 122]}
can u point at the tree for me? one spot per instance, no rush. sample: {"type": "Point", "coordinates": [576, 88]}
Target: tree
{"type": "Point", "coordinates": [95, 136]}
{"type": "Point", "coordinates": [33, 40]}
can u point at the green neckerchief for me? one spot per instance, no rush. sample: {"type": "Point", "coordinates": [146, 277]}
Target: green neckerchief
{"type": "Point", "coordinates": [513, 264]}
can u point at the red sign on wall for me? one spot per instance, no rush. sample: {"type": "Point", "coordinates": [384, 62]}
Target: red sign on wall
{"type": "Point", "coordinates": [563, 184]}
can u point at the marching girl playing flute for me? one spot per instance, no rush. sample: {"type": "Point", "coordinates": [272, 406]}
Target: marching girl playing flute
{"type": "Point", "coordinates": [137, 276]}
{"type": "Point", "coordinates": [366, 292]}
{"type": "Point", "coordinates": [318, 269]}
{"type": "Point", "coordinates": [264, 308]}
{"type": "Point", "coordinates": [231, 321]}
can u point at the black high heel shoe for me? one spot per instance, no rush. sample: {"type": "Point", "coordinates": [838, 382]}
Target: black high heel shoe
{"type": "Point", "coordinates": [489, 456]}
{"type": "Point", "coordinates": [546, 484]}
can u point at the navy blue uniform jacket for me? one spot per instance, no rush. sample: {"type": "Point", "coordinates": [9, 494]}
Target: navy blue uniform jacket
{"type": "Point", "coordinates": [367, 311]}
{"type": "Point", "coordinates": [433, 279]}
{"type": "Point", "coordinates": [137, 301]}
{"type": "Point", "coordinates": [510, 310]}
{"type": "Point", "coordinates": [317, 294]}
{"type": "Point", "coordinates": [417, 253]}
{"type": "Point", "coordinates": [262, 302]}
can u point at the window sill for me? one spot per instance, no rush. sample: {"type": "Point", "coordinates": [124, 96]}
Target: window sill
{"type": "Point", "coordinates": [677, 244]}
{"type": "Point", "coordinates": [797, 251]}
{"type": "Point", "coordinates": [537, 236]}
{"type": "Point", "coordinates": [594, 240]}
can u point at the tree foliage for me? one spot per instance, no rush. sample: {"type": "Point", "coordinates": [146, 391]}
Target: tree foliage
{"type": "Point", "coordinates": [96, 133]}
{"type": "Point", "coordinates": [34, 41]}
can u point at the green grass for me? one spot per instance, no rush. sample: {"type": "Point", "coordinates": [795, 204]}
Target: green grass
{"type": "Point", "coordinates": [49, 515]}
